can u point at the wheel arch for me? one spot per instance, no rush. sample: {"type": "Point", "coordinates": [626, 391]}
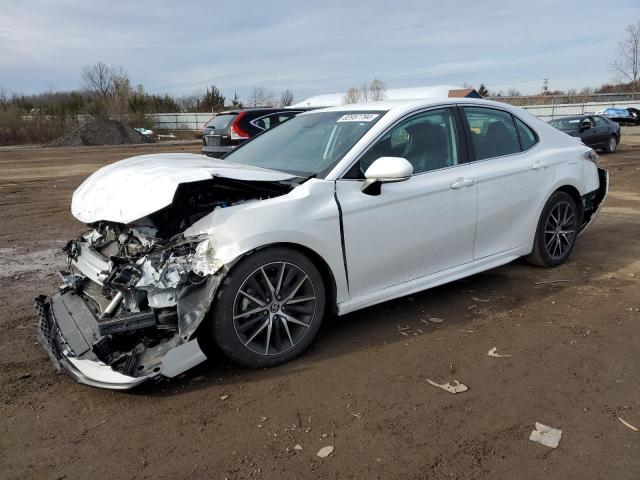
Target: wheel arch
{"type": "Point", "coordinates": [575, 194]}
{"type": "Point", "coordinates": [328, 278]}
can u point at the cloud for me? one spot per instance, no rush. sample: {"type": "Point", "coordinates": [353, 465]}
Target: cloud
{"type": "Point", "coordinates": [311, 48]}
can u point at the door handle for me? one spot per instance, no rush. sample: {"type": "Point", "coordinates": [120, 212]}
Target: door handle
{"type": "Point", "coordinates": [539, 166]}
{"type": "Point", "coordinates": [462, 182]}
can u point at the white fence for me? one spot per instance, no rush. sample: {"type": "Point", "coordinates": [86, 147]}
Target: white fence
{"type": "Point", "coordinates": [195, 121]}
{"type": "Point", "coordinates": [179, 121]}
{"type": "Point", "coordinates": [549, 112]}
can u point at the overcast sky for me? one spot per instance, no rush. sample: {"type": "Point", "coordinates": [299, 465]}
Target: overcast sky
{"type": "Point", "coordinates": [312, 47]}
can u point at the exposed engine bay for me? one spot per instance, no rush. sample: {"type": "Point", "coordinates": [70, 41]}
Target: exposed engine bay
{"type": "Point", "coordinates": [133, 292]}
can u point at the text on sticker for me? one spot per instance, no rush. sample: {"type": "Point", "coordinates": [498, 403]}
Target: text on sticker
{"type": "Point", "coordinates": [358, 117]}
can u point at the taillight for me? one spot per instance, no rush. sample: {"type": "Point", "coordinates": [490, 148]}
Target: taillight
{"type": "Point", "coordinates": [592, 156]}
{"type": "Point", "coordinates": [238, 133]}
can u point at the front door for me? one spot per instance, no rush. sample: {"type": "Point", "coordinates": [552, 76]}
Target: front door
{"type": "Point", "coordinates": [417, 227]}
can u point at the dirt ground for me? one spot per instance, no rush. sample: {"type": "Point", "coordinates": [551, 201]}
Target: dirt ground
{"type": "Point", "coordinates": [362, 386]}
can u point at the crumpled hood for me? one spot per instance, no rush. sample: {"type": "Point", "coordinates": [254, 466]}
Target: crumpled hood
{"type": "Point", "coordinates": [138, 186]}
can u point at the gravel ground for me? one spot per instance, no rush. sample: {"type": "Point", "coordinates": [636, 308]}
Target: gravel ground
{"type": "Point", "coordinates": [362, 387]}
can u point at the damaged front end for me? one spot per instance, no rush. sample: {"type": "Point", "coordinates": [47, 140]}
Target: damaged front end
{"type": "Point", "coordinates": [135, 294]}
{"type": "Point", "coordinates": [124, 304]}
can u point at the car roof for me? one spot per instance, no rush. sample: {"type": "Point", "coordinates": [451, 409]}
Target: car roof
{"type": "Point", "coordinates": [263, 110]}
{"type": "Point", "coordinates": [408, 105]}
{"type": "Point", "coordinates": [575, 117]}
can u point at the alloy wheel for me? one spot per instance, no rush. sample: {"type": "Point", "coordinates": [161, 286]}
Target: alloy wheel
{"type": "Point", "coordinates": [274, 308]}
{"type": "Point", "coordinates": [560, 230]}
{"type": "Point", "coordinates": [613, 144]}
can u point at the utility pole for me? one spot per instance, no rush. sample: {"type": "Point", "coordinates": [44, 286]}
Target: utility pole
{"type": "Point", "coordinates": [545, 86]}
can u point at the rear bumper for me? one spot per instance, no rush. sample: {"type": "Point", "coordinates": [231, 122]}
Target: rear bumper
{"type": "Point", "coordinates": [62, 338]}
{"type": "Point", "coordinates": [216, 152]}
{"type": "Point", "coordinates": [592, 202]}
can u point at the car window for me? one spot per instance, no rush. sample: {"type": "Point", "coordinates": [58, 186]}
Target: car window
{"type": "Point", "coordinates": [270, 121]}
{"type": "Point", "coordinates": [600, 122]}
{"type": "Point", "coordinates": [493, 132]}
{"type": "Point", "coordinates": [221, 121]}
{"type": "Point", "coordinates": [568, 124]}
{"type": "Point", "coordinates": [528, 137]}
{"type": "Point", "coordinates": [427, 140]}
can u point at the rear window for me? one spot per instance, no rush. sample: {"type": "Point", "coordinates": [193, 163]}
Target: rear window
{"type": "Point", "coordinates": [566, 123]}
{"type": "Point", "coordinates": [220, 121]}
{"type": "Point", "coordinates": [493, 132]}
{"type": "Point", "coordinates": [528, 137]}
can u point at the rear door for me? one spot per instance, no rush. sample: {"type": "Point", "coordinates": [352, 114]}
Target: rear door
{"type": "Point", "coordinates": [417, 227]}
{"type": "Point", "coordinates": [511, 175]}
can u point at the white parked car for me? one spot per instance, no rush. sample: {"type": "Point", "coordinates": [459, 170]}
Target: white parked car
{"type": "Point", "coordinates": [334, 210]}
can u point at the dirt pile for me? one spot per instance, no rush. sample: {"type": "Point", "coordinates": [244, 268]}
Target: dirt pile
{"type": "Point", "coordinates": [100, 131]}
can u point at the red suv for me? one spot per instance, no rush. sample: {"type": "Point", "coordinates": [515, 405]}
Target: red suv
{"type": "Point", "coordinates": [226, 130]}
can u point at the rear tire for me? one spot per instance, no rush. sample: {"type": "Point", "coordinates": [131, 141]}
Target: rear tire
{"type": "Point", "coordinates": [556, 232]}
{"type": "Point", "coordinates": [268, 309]}
{"type": "Point", "coordinates": [611, 145]}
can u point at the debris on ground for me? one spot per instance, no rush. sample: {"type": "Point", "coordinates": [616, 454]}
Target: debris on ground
{"type": "Point", "coordinates": [325, 451]}
{"type": "Point", "coordinates": [457, 387]}
{"type": "Point", "coordinates": [100, 131]}
{"type": "Point", "coordinates": [298, 447]}
{"type": "Point", "coordinates": [436, 320]}
{"type": "Point", "coordinates": [544, 282]}
{"type": "Point", "coordinates": [223, 397]}
{"type": "Point", "coordinates": [478, 299]}
{"type": "Point", "coordinates": [494, 353]}
{"type": "Point", "coordinates": [627, 424]}
{"type": "Point", "coordinates": [547, 436]}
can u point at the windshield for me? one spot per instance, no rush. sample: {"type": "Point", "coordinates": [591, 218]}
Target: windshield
{"type": "Point", "coordinates": [220, 121]}
{"type": "Point", "coordinates": [307, 144]}
{"type": "Point", "coordinates": [566, 123]}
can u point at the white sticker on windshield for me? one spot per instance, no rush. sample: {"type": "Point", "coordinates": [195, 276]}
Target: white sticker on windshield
{"type": "Point", "coordinates": [358, 117]}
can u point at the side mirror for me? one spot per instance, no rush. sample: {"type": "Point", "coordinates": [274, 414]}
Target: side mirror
{"type": "Point", "coordinates": [386, 170]}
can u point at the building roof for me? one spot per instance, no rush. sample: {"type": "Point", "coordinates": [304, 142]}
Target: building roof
{"type": "Point", "coordinates": [412, 93]}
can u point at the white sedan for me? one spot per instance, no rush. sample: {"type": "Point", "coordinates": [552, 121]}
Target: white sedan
{"type": "Point", "coordinates": [334, 210]}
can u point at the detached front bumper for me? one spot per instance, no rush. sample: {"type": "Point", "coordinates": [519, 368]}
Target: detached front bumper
{"type": "Point", "coordinates": [65, 331]}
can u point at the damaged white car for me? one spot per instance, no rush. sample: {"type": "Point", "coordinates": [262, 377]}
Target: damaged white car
{"type": "Point", "coordinates": [334, 210]}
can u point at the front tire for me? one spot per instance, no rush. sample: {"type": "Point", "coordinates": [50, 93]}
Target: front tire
{"type": "Point", "coordinates": [268, 309]}
{"type": "Point", "coordinates": [557, 231]}
{"type": "Point", "coordinates": [611, 145]}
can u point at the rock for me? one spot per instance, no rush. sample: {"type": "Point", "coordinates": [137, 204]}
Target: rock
{"type": "Point", "coordinates": [298, 447]}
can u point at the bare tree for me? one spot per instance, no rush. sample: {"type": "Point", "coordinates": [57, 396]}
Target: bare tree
{"type": "Point", "coordinates": [98, 78]}
{"type": "Point", "coordinates": [513, 92]}
{"type": "Point", "coordinates": [364, 92]}
{"type": "Point", "coordinates": [377, 90]}
{"type": "Point", "coordinates": [353, 95]}
{"type": "Point", "coordinates": [627, 66]}
{"type": "Point", "coordinates": [110, 85]}
{"type": "Point", "coordinates": [260, 97]}
{"type": "Point", "coordinates": [286, 98]}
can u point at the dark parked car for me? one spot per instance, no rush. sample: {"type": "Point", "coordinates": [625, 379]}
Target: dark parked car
{"type": "Point", "coordinates": [227, 130]}
{"type": "Point", "coordinates": [595, 131]}
{"type": "Point", "coordinates": [623, 116]}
